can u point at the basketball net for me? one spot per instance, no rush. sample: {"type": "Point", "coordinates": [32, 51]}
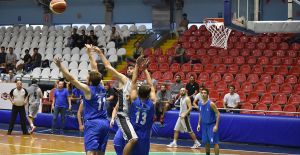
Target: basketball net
{"type": "Point", "coordinates": [219, 33]}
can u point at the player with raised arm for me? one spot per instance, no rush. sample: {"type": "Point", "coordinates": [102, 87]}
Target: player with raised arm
{"type": "Point", "coordinates": [96, 125]}
{"type": "Point", "coordinates": [123, 104]}
{"type": "Point", "coordinates": [141, 113]}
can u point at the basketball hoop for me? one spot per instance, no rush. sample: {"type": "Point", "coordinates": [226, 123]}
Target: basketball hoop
{"type": "Point", "coordinates": [219, 32]}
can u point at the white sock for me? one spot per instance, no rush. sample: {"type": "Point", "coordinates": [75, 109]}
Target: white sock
{"type": "Point", "coordinates": [175, 141]}
{"type": "Point", "coordinates": [197, 142]}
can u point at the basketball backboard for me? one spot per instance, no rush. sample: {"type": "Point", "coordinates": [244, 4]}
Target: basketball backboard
{"type": "Point", "coordinates": [263, 16]}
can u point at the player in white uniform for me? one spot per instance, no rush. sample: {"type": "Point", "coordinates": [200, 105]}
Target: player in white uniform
{"type": "Point", "coordinates": [183, 122]}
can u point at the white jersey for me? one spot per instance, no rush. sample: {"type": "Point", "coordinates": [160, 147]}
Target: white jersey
{"type": "Point", "coordinates": [124, 98]}
{"type": "Point", "coordinates": [183, 105]}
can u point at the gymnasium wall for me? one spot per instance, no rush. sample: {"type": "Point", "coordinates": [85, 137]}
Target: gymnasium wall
{"type": "Point", "coordinates": [126, 11]}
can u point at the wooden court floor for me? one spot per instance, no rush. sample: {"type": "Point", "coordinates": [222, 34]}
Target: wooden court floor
{"type": "Point", "coordinates": [65, 145]}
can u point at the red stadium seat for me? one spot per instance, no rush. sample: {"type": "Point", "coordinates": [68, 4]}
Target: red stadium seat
{"type": "Point", "coordinates": [251, 60]}
{"type": "Point", "coordinates": [197, 33]}
{"type": "Point", "coordinates": [240, 60]}
{"type": "Point", "coordinates": [253, 78]}
{"type": "Point", "coordinates": [261, 107]}
{"type": "Point", "coordinates": [217, 60]}
{"type": "Point", "coordinates": [245, 53]}
{"type": "Point", "coordinates": [273, 88]}
{"type": "Point", "coordinates": [201, 52]}
{"type": "Point", "coordinates": [219, 104]}
{"type": "Point", "coordinates": [197, 68]}
{"type": "Point", "coordinates": [212, 52]}
{"type": "Point", "coordinates": [233, 39]}
{"type": "Point", "coordinates": [276, 39]}
{"type": "Point", "coordinates": [280, 98]}
{"type": "Point", "coordinates": [152, 59]}
{"type": "Point", "coordinates": [238, 45]}
{"type": "Point", "coordinates": [202, 39]}
{"type": "Point", "coordinates": [190, 52]}
{"type": "Point", "coordinates": [268, 53]}
{"type": "Point", "coordinates": [214, 95]}
{"type": "Point", "coordinates": [233, 69]}
{"type": "Point", "coordinates": [228, 77]}
{"type": "Point", "coordinates": [193, 28]}
{"type": "Point", "coordinates": [189, 74]}
{"type": "Point", "coordinates": [275, 107]}
{"type": "Point", "coordinates": [209, 68]}
{"type": "Point", "coordinates": [269, 69]}
{"type": "Point", "coordinates": [187, 33]}
{"type": "Point", "coordinates": [286, 88]}
{"type": "Point", "coordinates": [205, 59]}
{"type": "Point", "coordinates": [215, 77]}
{"type": "Point", "coordinates": [206, 45]}
{"type": "Point", "coordinates": [257, 69]}
{"type": "Point", "coordinates": [186, 67]}
{"type": "Point", "coordinates": [156, 75]}
{"type": "Point", "coordinates": [253, 98]}
{"type": "Point", "coordinates": [261, 46]}
{"type": "Point", "coordinates": [186, 45]}
{"type": "Point", "coordinates": [223, 52]}
{"type": "Point", "coordinates": [279, 79]}
{"type": "Point", "coordinates": [175, 67]}
{"type": "Point", "coordinates": [272, 46]}
{"type": "Point", "coordinates": [162, 59]}
{"type": "Point", "coordinates": [256, 53]}
{"type": "Point", "coordinates": [275, 60]}
{"type": "Point", "coordinates": [236, 85]}
{"type": "Point", "coordinates": [245, 69]}
{"type": "Point", "coordinates": [263, 60]}
{"type": "Point", "coordinates": [295, 46]}
{"type": "Point", "coordinates": [266, 98]}
{"type": "Point", "coordinates": [288, 61]}
{"type": "Point", "coordinates": [244, 39]}
{"type": "Point", "coordinates": [234, 53]}
{"type": "Point", "coordinates": [255, 39]}
{"type": "Point", "coordinates": [246, 87]}
{"type": "Point", "coordinates": [202, 28]}
{"type": "Point", "coordinates": [243, 97]}
{"type": "Point", "coordinates": [203, 77]}
{"type": "Point", "coordinates": [246, 107]}
{"type": "Point", "coordinates": [221, 68]}
{"type": "Point", "coordinates": [291, 79]}
{"type": "Point", "coordinates": [163, 67]}
{"type": "Point", "coordinates": [153, 67]}
{"type": "Point", "coordinates": [265, 39]}
{"type": "Point", "coordinates": [294, 99]}
{"type": "Point", "coordinates": [210, 85]}
{"type": "Point", "coordinates": [167, 76]}
{"type": "Point", "coordinates": [282, 70]}
{"type": "Point", "coordinates": [289, 108]}
{"type": "Point", "coordinates": [148, 51]}
{"type": "Point", "coordinates": [250, 45]}
{"type": "Point", "coordinates": [292, 54]}
{"type": "Point", "coordinates": [266, 78]}
{"type": "Point", "coordinates": [240, 78]}
{"type": "Point", "coordinates": [171, 51]}
{"type": "Point", "coordinates": [297, 89]}
{"type": "Point", "coordinates": [284, 46]}
{"type": "Point", "coordinates": [280, 53]}
{"type": "Point", "coordinates": [196, 45]}
{"type": "Point", "coordinates": [260, 88]}
{"type": "Point", "coordinates": [228, 60]}
{"type": "Point", "coordinates": [182, 39]}
{"type": "Point", "coordinates": [221, 86]}
{"type": "Point", "coordinates": [158, 52]}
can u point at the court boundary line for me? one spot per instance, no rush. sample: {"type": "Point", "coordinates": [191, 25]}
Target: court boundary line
{"type": "Point", "coordinates": [160, 144]}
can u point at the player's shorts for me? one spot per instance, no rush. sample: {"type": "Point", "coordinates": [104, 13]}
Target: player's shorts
{"type": "Point", "coordinates": [126, 127]}
{"type": "Point", "coordinates": [183, 125]}
{"type": "Point", "coordinates": [96, 133]}
{"type": "Point", "coordinates": [142, 146]}
{"type": "Point", "coordinates": [208, 135]}
{"type": "Point", "coordinates": [32, 110]}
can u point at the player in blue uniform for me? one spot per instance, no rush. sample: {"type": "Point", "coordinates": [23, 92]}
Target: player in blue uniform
{"type": "Point", "coordinates": [96, 124]}
{"type": "Point", "coordinates": [209, 119]}
{"type": "Point", "coordinates": [141, 114]}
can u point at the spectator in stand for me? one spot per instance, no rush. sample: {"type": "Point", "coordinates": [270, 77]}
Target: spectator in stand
{"type": "Point", "coordinates": [115, 37]}
{"type": "Point", "coordinates": [164, 99]}
{"type": "Point", "coordinates": [74, 39]}
{"type": "Point", "coordinates": [10, 77]}
{"type": "Point", "coordinates": [2, 59]}
{"type": "Point", "coordinates": [175, 87]}
{"type": "Point", "coordinates": [83, 38]}
{"type": "Point", "coordinates": [198, 97]}
{"type": "Point", "coordinates": [27, 59]}
{"type": "Point", "coordinates": [93, 39]}
{"type": "Point", "coordinates": [179, 54]}
{"type": "Point", "coordinates": [192, 87]}
{"type": "Point", "coordinates": [11, 59]}
{"type": "Point", "coordinates": [111, 99]}
{"type": "Point", "coordinates": [138, 50]}
{"type": "Point", "coordinates": [36, 60]}
{"type": "Point", "coordinates": [183, 25]}
{"type": "Point", "coordinates": [231, 100]}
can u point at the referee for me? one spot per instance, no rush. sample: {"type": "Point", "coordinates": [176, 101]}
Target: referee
{"type": "Point", "coordinates": [18, 98]}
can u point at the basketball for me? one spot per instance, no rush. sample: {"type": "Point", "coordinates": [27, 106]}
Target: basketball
{"type": "Point", "coordinates": [58, 6]}
{"type": "Point", "coordinates": [4, 96]}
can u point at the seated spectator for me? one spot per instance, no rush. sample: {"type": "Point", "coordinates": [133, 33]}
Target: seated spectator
{"type": "Point", "coordinates": [93, 39]}
{"type": "Point", "coordinates": [10, 77]}
{"type": "Point", "coordinates": [111, 99]}
{"type": "Point", "coordinates": [179, 54]}
{"type": "Point", "coordinates": [183, 25]}
{"type": "Point", "coordinates": [164, 99]}
{"type": "Point", "coordinates": [2, 59]}
{"type": "Point", "coordinates": [36, 61]}
{"type": "Point", "coordinates": [115, 37]}
{"type": "Point", "coordinates": [138, 50]}
{"type": "Point", "coordinates": [192, 88]}
{"type": "Point", "coordinates": [75, 39]}
{"type": "Point", "coordinates": [231, 100]}
{"type": "Point", "coordinates": [198, 97]}
{"type": "Point", "coordinates": [175, 87]}
{"type": "Point", "coordinates": [27, 58]}
{"type": "Point", "coordinates": [83, 39]}
{"type": "Point", "coordinates": [11, 59]}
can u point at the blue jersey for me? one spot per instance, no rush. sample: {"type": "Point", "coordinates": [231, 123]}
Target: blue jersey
{"type": "Point", "coordinates": [208, 116]}
{"type": "Point", "coordinates": [141, 115]}
{"type": "Point", "coordinates": [95, 107]}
